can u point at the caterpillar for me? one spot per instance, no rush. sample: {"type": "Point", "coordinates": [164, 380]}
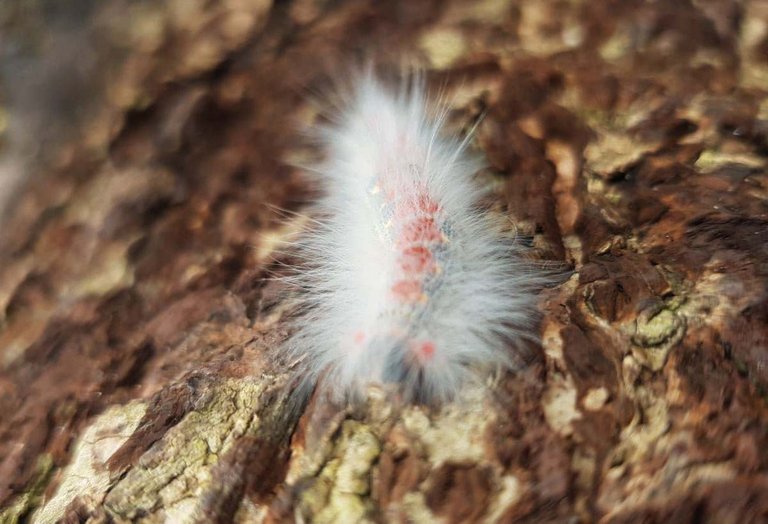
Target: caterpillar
{"type": "Point", "coordinates": [406, 280]}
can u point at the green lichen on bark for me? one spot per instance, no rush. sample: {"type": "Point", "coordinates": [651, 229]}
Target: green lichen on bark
{"type": "Point", "coordinates": [168, 479]}
{"type": "Point", "coordinates": [20, 509]}
{"type": "Point", "coordinates": [338, 493]}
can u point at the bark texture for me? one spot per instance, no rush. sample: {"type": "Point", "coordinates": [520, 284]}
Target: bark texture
{"type": "Point", "coordinates": [140, 374]}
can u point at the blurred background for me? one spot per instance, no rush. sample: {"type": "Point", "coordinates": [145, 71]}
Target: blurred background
{"type": "Point", "coordinates": [146, 146]}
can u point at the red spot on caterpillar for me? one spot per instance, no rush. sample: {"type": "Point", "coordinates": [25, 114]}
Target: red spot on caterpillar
{"type": "Point", "coordinates": [427, 205]}
{"type": "Point", "coordinates": [421, 204]}
{"type": "Point", "coordinates": [421, 352]}
{"type": "Point", "coordinates": [358, 337]}
{"type": "Point", "coordinates": [407, 290]}
{"type": "Point", "coordinates": [425, 350]}
{"type": "Point", "coordinates": [416, 259]}
{"type": "Point", "coordinates": [422, 229]}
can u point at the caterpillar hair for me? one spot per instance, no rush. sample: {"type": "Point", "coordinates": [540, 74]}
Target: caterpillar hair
{"type": "Point", "coordinates": [405, 279]}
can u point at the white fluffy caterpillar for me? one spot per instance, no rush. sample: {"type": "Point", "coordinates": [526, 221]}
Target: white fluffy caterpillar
{"type": "Point", "coordinates": [407, 281]}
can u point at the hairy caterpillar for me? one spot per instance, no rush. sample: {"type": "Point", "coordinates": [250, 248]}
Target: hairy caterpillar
{"type": "Point", "coordinates": [407, 281]}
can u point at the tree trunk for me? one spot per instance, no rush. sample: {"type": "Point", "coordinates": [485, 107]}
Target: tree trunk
{"type": "Point", "coordinates": [141, 377]}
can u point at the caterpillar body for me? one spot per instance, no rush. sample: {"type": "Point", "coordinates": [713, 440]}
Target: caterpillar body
{"type": "Point", "coordinates": [406, 281]}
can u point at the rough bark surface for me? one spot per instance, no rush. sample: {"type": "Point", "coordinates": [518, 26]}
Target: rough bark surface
{"type": "Point", "coordinates": [140, 374]}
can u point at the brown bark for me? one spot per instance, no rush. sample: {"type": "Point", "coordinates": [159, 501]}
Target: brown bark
{"type": "Point", "coordinates": [140, 371]}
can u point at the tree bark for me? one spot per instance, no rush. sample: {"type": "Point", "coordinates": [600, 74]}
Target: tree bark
{"type": "Point", "coordinates": [141, 377]}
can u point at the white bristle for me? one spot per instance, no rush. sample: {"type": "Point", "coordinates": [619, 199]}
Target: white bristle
{"type": "Point", "coordinates": [405, 280]}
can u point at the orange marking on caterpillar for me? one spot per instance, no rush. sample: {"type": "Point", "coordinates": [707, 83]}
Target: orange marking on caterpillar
{"type": "Point", "coordinates": [416, 259]}
{"type": "Point", "coordinates": [422, 229]}
{"type": "Point", "coordinates": [427, 205]}
{"type": "Point", "coordinates": [421, 204]}
{"type": "Point", "coordinates": [407, 290]}
{"type": "Point", "coordinates": [425, 350]}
